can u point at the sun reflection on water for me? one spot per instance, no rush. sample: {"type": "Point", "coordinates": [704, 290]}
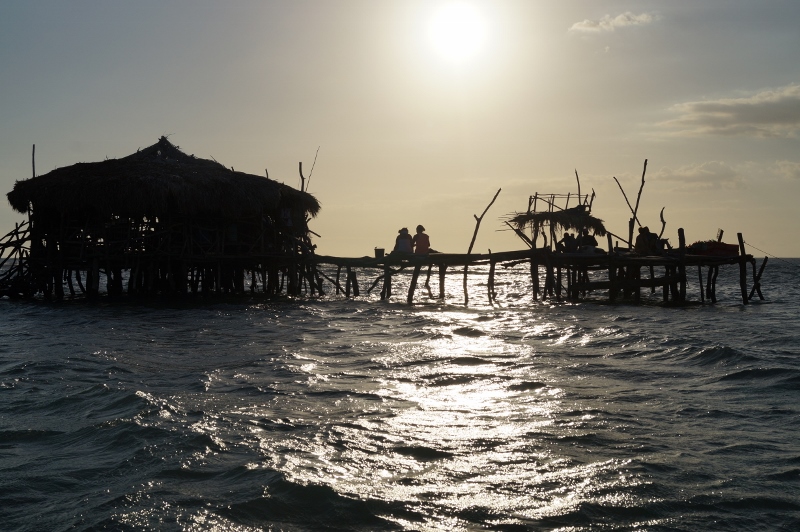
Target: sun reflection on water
{"type": "Point", "coordinates": [456, 418]}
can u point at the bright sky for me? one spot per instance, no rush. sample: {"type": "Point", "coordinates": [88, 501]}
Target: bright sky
{"type": "Point", "coordinates": [423, 109]}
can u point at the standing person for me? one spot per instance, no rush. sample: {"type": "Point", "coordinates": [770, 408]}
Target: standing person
{"type": "Point", "coordinates": [422, 242]}
{"type": "Point", "coordinates": [403, 243]}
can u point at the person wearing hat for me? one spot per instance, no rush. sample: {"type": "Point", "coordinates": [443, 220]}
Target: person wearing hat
{"type": "Point", "coordinates": [404, 242]}
{"type": "Point", "coordinates": [422, 243]}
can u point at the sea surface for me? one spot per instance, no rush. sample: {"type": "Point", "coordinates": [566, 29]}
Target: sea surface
{"type": "Point", "coordinates": [336, 414]}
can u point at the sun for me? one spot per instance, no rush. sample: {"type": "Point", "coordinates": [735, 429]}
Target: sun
{"type": "Point", "coordinates": [458, 32]}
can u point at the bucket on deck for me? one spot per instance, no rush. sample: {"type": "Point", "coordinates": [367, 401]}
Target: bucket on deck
{"type": "Point", "coordinates": [379, 253]}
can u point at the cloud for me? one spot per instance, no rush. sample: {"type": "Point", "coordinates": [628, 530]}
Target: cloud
{"type": "Point", "coordinates": [609, 23]}
{"type": "Point", "coordinates": [787, 169]}
{"type": "Point", "coordinates": [769, 113]}
{"type": "Point", "coordinates": [707, 175]}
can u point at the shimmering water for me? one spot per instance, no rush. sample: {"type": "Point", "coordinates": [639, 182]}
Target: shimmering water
{"type": "Point", "coordinates": [366, 415]}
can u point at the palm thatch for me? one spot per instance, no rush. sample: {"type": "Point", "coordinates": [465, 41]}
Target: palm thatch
{"type": "Point", "coordinates": [575, 218]}
{"type": "Point", "coordinates": [159, 181]}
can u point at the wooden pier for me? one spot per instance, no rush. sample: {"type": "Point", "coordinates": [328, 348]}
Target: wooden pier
{"type": "Point", "coordinates": [556, 275]}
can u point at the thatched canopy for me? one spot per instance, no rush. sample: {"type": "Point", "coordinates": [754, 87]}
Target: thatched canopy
{"type": "Point", "coordinates": [160, 181]}
{"type": "Point", "coordinates": [576, 218]}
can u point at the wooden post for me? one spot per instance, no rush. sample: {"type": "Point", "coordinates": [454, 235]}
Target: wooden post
{"type": "Point", "coordinates": [558, 282]}
{"type": "Point", "coordinates": [354, 283]}
{"type": "Point", "coordinates": [742, 268]}
{"type": "Point", "coordinates": [535, 278]}
{"type": "Point", "coordinates": [549, 278]}
{"type": "Point", "coordinates": [338, 274]}
{"type": "Point", "coordinates": [68, 278]}
{"type": "Point", "coordinates": [757, 280]}
{"type": "Point", "coordinates": [413, 285]}
{"type": "Point", "coordinates": [652, 276]}
{"type": "Point", "coordinates": [700, 277]}
{"type": "Point", "coordinates": [428, 281]}
{"type": "Point", "coordinates": [682, 264]}
{"type": "Point", "coordinates": [490, 284]}
{"type": "Point", "coordinates": [80, 284]}
{"type": "Point", "coordinates": [386, 290]}
{"type": "Point", "coordinates": [630, 233]}
{"type": "Point", "coordinates": [442, 270]}
{"type": "Point", "coordinates": [714, 285]}
{"type": "Point", "coordinates": [612, 270]}
{"type": "Point", "coordinates": [94, 288]}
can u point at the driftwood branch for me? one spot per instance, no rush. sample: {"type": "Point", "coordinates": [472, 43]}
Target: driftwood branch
{"type": "Point", "coordinates": [579, 186]}
{"type": "Point", "coordinates": [308, 184]}
{"type": "Point", "coordinates": [478, 220]}
{"type": "Point", "coordinates": [33, 160]}
{"type": "Point", "coordinates": [626, 198]}
{"type": "Point", "coordinates": [639, 196]}
{"type": "Point", "coordinates": [663, 222]}
{"type": "Point", "coordinates": [520, 234]}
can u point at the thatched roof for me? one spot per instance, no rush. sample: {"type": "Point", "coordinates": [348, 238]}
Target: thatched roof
{"type": "Point", "coordinates": [159, 180]}
{"type": "Point", "coordinates": [576, 218]}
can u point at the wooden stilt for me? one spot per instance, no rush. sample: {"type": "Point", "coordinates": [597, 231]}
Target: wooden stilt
{"type": "Point", "coordinates": [354, 283]}
{"type": "Point", "coordinates": [652, 276]}
{"type": "Point", "coordinates": [413, 286]}
{"type": "Point", "coordinates": [682, 265]}
{"type": "Point", "coordinates": [442, 271]}
{"type": "Point", "coordinates": [757, 280]}
{"type": "Point", "coordinates": [428, 281]}
{"type": "Point", "coordinates": [612, 270]}
{"type": "Point", "coordinates": [490, 284]}
{"type": "Point", "coordinates": [68, 278]}
{"type": "Point", "coordinates": [714, 284]}
{"type": "Point", "coordinates": [386, 291]}
{"type": "Point", "coordinates": [700, 279]}
{"type": "Point", "coordinates": [78, 279]}
{"type": "Point", "coordinates": [742, 269]}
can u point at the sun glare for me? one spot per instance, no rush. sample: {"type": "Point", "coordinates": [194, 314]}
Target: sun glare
{"type": "Point", "coordinates": [458, 32]}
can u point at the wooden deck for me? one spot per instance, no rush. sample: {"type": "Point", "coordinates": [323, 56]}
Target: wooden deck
{"type": "Point", "coordinates": [565, 275]}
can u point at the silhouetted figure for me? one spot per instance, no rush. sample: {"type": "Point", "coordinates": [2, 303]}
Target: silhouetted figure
{"type": "Point", "coordinates": [642, 245]}
{"type": "Point", "coordinates": [403, 243]}
{"type": "Point", "coordinates": [568, 244]}
{"type": "Point", "coordinates": [586, 242]}
{"type": "Point", "coordinates": [421, 241]}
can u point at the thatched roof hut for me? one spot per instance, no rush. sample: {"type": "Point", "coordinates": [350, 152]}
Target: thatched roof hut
{"type": "Point", "coordinates": [575, 218]}
{"type": "Point", "coordinates": [158, 181]}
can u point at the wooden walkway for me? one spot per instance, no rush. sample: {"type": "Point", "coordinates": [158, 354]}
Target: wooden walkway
{"type": "Point", "coordinates": [565, 275]}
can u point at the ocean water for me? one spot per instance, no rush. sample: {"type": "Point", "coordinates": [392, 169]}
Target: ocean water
{"type": "Point", "coordinates": [334, 414]}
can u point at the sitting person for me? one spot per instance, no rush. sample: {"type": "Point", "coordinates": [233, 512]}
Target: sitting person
{"type": "Point", "coordinates": [403, 243]}
{"type": "Point", "coordinates": [586, 242]}
{"type": "Point", "coordinates": [568, 244]}
{"type": "Point", "coordinates": [421, 241]}
{"type": "Point", "coordinates": [642, 243]}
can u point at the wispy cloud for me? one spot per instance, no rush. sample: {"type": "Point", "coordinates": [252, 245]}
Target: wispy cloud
{"type": "Point", "coordinates": [769, 113]}
{"type": "Point", "coordinates": [609, 23]}
{"type": "Point", "coordinates": [787, 169]}
{"type": "Point", "coordinates": [707, 175]}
